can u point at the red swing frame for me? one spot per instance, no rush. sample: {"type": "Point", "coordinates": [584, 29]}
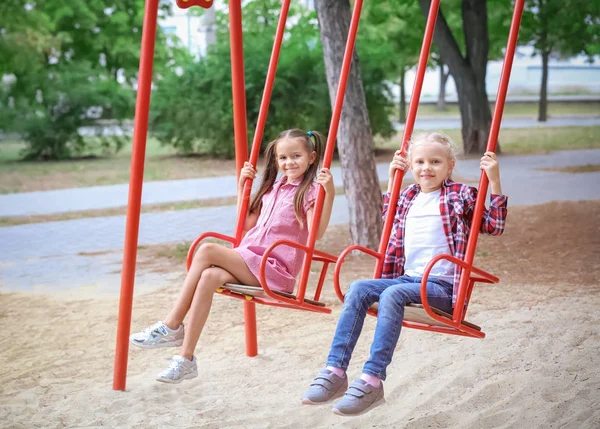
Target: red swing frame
{"type": "Point", "coordinates": [241, 149]}
{"type": "Point", "coordinates": [433, 319]}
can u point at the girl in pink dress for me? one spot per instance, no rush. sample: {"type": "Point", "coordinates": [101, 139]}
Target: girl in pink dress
{"type": "Point", "coordinates": [280, 209]}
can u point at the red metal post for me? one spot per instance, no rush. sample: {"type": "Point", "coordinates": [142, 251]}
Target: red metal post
{"type": "Point", "coordinates": [237, 84]}
{"type": "Point", "coordinates": [408, 129]}
{"type": "Point", "coordinates": [262, 115]}
{"type": "Point", "coordinates": [491, 147]}
{"type": "Point", "coordinates": [331, 138]}
{"type": "Point", "coordinates": [241, 144]}
{"type": "Point", "coordinates": [135, 193]}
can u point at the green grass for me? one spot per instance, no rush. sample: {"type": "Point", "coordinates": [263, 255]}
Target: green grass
{"type": "Point", "coordinates": [517, 109]}
{"type": "Point", "coordinates": [161, 164]}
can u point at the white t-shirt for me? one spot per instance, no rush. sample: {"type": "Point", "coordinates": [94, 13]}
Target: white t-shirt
{"type": "Point", "coordinates": [424, 238]}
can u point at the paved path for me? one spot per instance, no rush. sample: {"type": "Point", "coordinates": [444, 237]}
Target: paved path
{"type": "Point", "coordinates": [57, 253]}
{"type": "Point", "coordinates": [99, 197]}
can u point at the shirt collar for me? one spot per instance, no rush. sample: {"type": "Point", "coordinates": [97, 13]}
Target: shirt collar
{"type": "Point", "coordinates": [295, 182]}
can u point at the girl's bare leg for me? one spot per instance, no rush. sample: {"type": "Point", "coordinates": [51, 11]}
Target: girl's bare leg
{"type": "Point", "coordinates": [208, 254]}
{"type": "Point", "coordinates": [211, 280]}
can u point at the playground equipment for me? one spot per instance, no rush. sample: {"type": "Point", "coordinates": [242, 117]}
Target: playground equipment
{"type": "Point", "coordinates": [428, 319]}
{"type": "Point", "coordinates": [423, 316]}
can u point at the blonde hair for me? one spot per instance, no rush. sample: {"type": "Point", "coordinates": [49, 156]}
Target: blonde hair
{"type": "Point", "coordinates": [433, 137]}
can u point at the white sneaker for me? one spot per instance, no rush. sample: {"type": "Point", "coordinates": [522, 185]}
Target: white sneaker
{"type": "Point", "coordinates": [179, 369]}
{"type": "Point", "coordinates": [158, 335]}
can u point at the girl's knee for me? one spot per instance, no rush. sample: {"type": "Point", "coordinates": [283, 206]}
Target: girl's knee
{"type": "Point", "coordinates": [211, 279]}
{"type": "Point", "coordinates": [394, 296]}
{"type": "Point", "coordinates": [204, 251]}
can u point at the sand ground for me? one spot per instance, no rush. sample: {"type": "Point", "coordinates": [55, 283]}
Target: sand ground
{"type": "Point", "coordinates": [537, 367]}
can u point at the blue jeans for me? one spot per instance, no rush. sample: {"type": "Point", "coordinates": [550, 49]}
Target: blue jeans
{"type": "Point", "coordinates": [393, 295]}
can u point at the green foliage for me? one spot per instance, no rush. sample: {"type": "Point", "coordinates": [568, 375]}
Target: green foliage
{"type": "Point", "coordinates": [68, 63]}
{"type": "Point", "coordinates": [192, 110]}
{"type": "Point", "coordinates": [49, 122]}
{"type": "Point", "coordinates": [561, 27]}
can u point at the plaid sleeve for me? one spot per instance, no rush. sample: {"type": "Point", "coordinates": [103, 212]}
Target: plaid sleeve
{"type": "Point", "coordinates": [386, 205]}
{"type": "Point", "coordinates": [493, 218]}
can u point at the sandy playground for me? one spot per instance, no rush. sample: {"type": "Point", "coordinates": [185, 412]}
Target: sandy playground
{"type": "Point", "coordinates": [537, 368]}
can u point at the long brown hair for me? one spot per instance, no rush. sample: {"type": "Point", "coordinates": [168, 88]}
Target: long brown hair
{"type": "Point", "coordinates": [313, 141]}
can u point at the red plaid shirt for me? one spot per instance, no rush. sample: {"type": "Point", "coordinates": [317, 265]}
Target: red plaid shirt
{"type": "Point", "coordinates": [457, 202]}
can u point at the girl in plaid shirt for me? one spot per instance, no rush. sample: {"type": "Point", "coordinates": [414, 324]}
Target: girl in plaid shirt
{"type": "Point", "coordinates": [432, 217]}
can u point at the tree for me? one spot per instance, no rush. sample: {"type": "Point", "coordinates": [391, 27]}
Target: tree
{"type": "Point", "coordinates": [193, 111]}
{"type": "Point", "coordinates": [390, 42]}
{"type": "Point", "coordinates": [561, 28]}
{"type": "Point", "coordinates": [180, 116]}
{"type": "Point", "coordinates": [68, 64]}
{"type": "Point", "coordinates": [355, 142]}
{"type": "Point", "coordinates": [468, 69]}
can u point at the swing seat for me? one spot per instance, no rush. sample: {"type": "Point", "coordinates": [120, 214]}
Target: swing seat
{"type": "Point", "coordinates": [251, 292]}
{"type": "Point", "coordinates": [265, 295]}
{"type": "Point", "coordinates": [423, 316]}
{"type": "Point", "coordinates": [415, 313]}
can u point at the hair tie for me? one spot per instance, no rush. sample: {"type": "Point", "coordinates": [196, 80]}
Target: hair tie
{"type": "Point", "coordinates": [309, 133]}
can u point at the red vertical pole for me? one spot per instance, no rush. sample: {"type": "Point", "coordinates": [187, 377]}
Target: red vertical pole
{"type": "Point", "coordinates": [408, 129]}
{"type": "Point", "coordinates": [241, 143]}
{"type": "Point", "coordinates": [329, 148]}
{"type": "Point", "coordinates": [262, 116]}
{"type": "Point", "coordinates": [511, 45]}
{"type": "Point", "coordinates": [135, 192]}
{"type": "Point", "coordinates": [237, 84]}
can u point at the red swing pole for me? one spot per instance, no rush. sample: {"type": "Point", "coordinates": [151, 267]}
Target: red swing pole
{"type": "Point", "coordinates": [408, 129]}
{"type": "Point", "coordinates": [238, 88]}
{"type": "Point", "coordinates": [410, 121]}
{"type": "Point", "coordinates": [237, 69]}
{"type": "Point", "coordinates": [136, 179]}
{"type": "Point", "coordinates": [262, 116]}
{"type": "Point", "coordinates": [331, 138]}
{"type": "Point", "coordinates": [491, 147]}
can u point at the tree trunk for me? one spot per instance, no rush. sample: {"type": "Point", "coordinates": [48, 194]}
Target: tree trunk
{"type": "Point", "coordinates": [543, 105]}
{"type": "Point", "coordinates": [441, 102]}
{"type": "Point", "coordinates": [402, 101]}
{"type": "Point", "coordinates": [468, 72]}
{"type": "Point", "coordinates": [355, 142]}
{"type": "Point", "coordinates": [545, 51]}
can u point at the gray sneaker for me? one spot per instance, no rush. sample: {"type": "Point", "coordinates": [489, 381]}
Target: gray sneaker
{"type": "Point", "coordinates": [360, 398]}
{"type": "Point", "coordinates": [326, 386]}
{"type": "Point", "coordinates": [179, 369]}
{"type": "Point", "coordinates": [158, 335]}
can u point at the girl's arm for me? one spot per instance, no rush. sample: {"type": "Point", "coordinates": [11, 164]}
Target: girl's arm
{"type": "Point", "coordinates": [247, 172]}
{"type": "Point", "coordinates": [489, 164]}
{"type": "Point", "coordinates": [493, 218]}
{"type": "Point", "coordinates": [325, 179]}
{"type": "Point", "coordinates": [398, 163]}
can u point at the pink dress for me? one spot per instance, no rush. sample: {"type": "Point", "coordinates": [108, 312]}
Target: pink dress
{"type": "Point", "coordinates": [277, 220]}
